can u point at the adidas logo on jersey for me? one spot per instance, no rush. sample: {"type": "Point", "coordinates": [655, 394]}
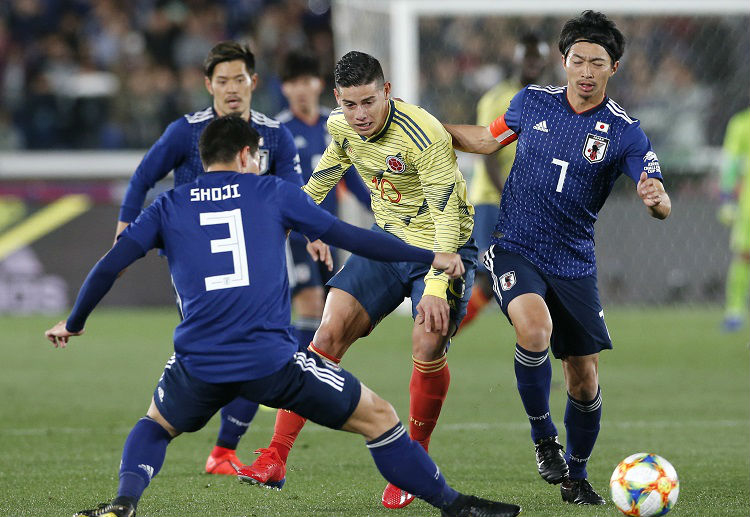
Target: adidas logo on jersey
{"type": "Point", "coordinates": [542, 126]}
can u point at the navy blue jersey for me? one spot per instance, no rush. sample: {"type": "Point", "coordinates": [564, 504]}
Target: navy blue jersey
{"type": "Point", "coordinates": [224, 236]}
{"type": "Point", "coordinates": [565, 167]}
{"type": "Point", "coordinates": [311, 142]}
{"type": "Point", "coordinates": [177, 149]}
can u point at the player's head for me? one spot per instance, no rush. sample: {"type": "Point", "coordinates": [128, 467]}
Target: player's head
{"type": "Point", "coordinates": [362, 92]}
{"type": "Point", "coordinates": [301, 82]}
{"type": "Point", "coordinates": [230, 77]}
{"type": "Point", "coordinates": [530, 57]}
{"type": "Point", "coordinates": [591, 47]}
{"type": "Point", "coordinates": [230, 143]}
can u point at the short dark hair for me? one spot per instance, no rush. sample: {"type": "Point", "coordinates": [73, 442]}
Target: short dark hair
{"type": "Point", "coordinates": [592, 27]}
{"type": "Point", "coordinates": [228, 51]}
{"type": "Point", "coordinates": [299, 64]}
{"type": "Point", "coordinates": [224, 137]}
{"type": "Point", "coordinates": [357, 69]}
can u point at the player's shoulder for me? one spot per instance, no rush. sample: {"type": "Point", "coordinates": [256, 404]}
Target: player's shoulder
{"type": "Point", "coordinates": [418, 124]}
{"type": "Point", "coordinates": [261, 120]}
{"type": "Point", "coordinates": [198, 117]}
{"type": "Point", "coordinates": [549, 90]}
{"type": "Point", "coordinates": [620, 114]}
{"type": "Point", "coordinates": [284, 116]}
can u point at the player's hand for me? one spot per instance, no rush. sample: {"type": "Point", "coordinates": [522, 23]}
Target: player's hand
{"type": "Point", "coordinates": [727, 213]}
{"type": "Point", "coordinates": [434, 313]}
{"type": "Point", "coordinates": [59, 335]}
{"type": "Point", "coordinates": [449, 263]}
{"type": "Point", "coordinates": [319, 250]}
{"type": "Point", "coordinates": [650, 190]}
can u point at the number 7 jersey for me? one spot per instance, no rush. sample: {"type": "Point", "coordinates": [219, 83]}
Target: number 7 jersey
{"type": "Point", "coordinates": [565, 167]}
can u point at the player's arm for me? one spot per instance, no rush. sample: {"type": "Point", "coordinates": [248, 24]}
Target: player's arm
{"type": "Point", "coordinates": [98, 283]}
{"type": "Point", "coordinates": [357, 187]}
{"type": "Point", "coordinates": [167, 153]}
{"type": "Point", "coordinates": [642, 165]}
{"type": "Point", "coordinates": [330, 169]}
{"type": "Point", "coordinates": [730, 170]}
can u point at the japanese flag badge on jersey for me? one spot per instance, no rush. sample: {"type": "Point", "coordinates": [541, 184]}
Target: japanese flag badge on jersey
{"type": "Point", "coordinates": [595, 147]}
{"type": "Point", "coordinates": [601, 126]}
{"type": "Point", "coordinates": [508, 280]}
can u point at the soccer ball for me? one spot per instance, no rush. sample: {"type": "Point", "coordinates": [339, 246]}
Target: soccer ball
{"type": "Point", "coordinates": [644, 485]}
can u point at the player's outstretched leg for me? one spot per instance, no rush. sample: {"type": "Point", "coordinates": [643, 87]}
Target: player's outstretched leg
{"type": "Point", "coordinates": [269, 468]}
{"type": "Point", "coordinates": [235, 421]}
{"type": "Point", "coordinates": [142, 458]}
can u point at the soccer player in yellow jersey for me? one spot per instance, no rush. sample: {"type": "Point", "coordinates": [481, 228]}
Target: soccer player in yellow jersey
{"type": "Point", "coordinates": [406, 158]}
{"type": "Point", "coordinates": [491, 170]}
{"type": "Point", "coordinates": [735, 192]}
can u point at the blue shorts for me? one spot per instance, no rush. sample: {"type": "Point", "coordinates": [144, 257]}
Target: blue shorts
{"type": "Point", "coordinates": [306, 385]}
{"type": "Point", "coordinates": [578, 326]}
{"type": "Point", "coordinates": [381, 286]}
{"type": "Point", "coordinates": [303, 270]}
{"type": "Point", "coordinates": [485, 219]}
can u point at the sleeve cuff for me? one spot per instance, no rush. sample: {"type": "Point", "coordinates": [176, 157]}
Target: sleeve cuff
{"type": "Point", "coordinates": [436, 286]}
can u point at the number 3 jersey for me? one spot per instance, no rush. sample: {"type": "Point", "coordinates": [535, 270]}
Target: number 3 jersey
{"type": "Point", "coordinates": [224, 236]}
{"type": "Point", "coordinates": [565, 167]}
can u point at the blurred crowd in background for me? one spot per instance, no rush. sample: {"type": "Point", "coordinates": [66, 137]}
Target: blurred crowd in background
{"type": "Point", "coordinates": [83, 74]}
{"type": "Point", "coordinates": [79, 74]}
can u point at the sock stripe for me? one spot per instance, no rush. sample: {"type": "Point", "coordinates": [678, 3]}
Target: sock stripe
{"type": "Point", "coordinates": [587, 407]}
{"type": "Point", "coordinates": [430, 366]}
{"type": "Point", "coordinates": [388, 437]}
{"type": "Point", "coordinates": [314, 349]}
{"type": "Point", "coordinates": [530, 361]}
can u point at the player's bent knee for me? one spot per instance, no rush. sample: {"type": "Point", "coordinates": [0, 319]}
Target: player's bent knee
{"type": "Point", "coordinates": [154, 414]}
{"type": "Point", "coordinates": [372, 417]}
{"type": "Point", "coordinates": [428, 346]}
{"type": "Point", "coordinates": [534, 336]}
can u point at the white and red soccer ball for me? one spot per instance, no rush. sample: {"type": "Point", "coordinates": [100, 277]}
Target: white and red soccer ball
{"type": "Point", "coordinates": [644, 485]}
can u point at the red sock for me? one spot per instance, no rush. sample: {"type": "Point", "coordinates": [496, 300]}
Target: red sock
{"type": "Point", "coordinates": [288, 424]}
{"type": "Point", "coordinates": [428, 388]}
{"type": "Point", "coordinates": [220, 451]}
{"type": "Point", "coordinates": [476, 303]}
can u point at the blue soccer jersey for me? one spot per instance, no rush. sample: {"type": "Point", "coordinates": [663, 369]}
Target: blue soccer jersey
{"type": "Point", "coordinates": [177, 149]}
{"type": "Point", "coordinates": [224, 236]}
{"type": "Point", "coordinates": [565, 167]}
{"type": "Point", "coordinates": [311, 142]}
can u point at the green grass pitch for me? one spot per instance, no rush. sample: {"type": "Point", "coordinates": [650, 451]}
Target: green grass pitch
{"type": "Point", "coordinates": [674, 385]}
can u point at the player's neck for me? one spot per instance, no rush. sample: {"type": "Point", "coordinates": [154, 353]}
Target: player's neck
{"type": "Point", "coordinates": [244, 114]}
{"type": "Point", "coordinates": [308, 115]}
{"type": "Point", "coordinates": [581, 104]}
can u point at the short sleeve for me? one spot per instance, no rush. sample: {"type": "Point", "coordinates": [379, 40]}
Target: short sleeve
{"type": "Point", "coordinates": [300, 213]}
{"type": "Point", "coordinates": [638, 154]}
{"type": "Point", "coordinates": [515, 108]}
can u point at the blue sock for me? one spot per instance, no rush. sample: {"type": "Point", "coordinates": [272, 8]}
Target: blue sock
{"type": "Point", "coordinates": [404, 462]}
{"type": "Point", "coordinates": [142, 458]}
{"type": "Point", "coordinates": [304, 330]}
{"type": "Point", "coordinates": [533, 378]}
{"type": "Point", "coordinates": [582, 426]}
{"type": "Point", "coordinates": [235, 420]}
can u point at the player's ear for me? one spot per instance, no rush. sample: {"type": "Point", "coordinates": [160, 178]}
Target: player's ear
{"type": "Point", "coordinates": [387, 89]}
{"type": "Point", "coordinates": [253, 82]}
{"type": "Point", "coordinates": [336, 95]}
{"type": "Point", "coordinates": [207, 82]}
{"type": "Point", "coordinates": [614, 68]}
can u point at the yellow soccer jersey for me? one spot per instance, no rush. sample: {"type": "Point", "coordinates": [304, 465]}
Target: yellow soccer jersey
{"type": "Point", "coordinates": [417, 192]}
{"type": "Point", "coordinates": [493, 104]}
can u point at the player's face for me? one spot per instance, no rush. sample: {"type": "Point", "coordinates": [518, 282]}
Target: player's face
{"type": "Point", "coordinates": [232, 87]}
{"type": "Point", "coordinates": [365, 107]}
{"type": "Point", "coordinates": [303, 93]}
{"type": "Point", "coordinates": [588, 68]}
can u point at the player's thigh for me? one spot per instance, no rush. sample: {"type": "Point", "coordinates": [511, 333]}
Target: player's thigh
{"type": "Point", "coordinates": [309, 302]}
{"type": "Point", "coordinates": [344, 321]}
{"type": "Point", "coordinates": [187, 403]}
{"type": "Point", "coordinates": [520, 290]}
{"type": "Point", "coordinates": [378, 287]}
{"type": "Point", "coordinates": [459, 289]}
{"type": "Point", "coordinates": [309, 386]}
{"type": "Point", "coordinates": [578, 326]}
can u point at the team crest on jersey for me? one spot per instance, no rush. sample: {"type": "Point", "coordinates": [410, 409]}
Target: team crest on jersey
{"type": "Point", "coordinates": [595, 148]}
{"type": "Point", "coordinates": [395, 164]}
{"type": "Point", "coordinates": [263, 153]}
{"type": "Point", "coordinates": [508, 280]}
